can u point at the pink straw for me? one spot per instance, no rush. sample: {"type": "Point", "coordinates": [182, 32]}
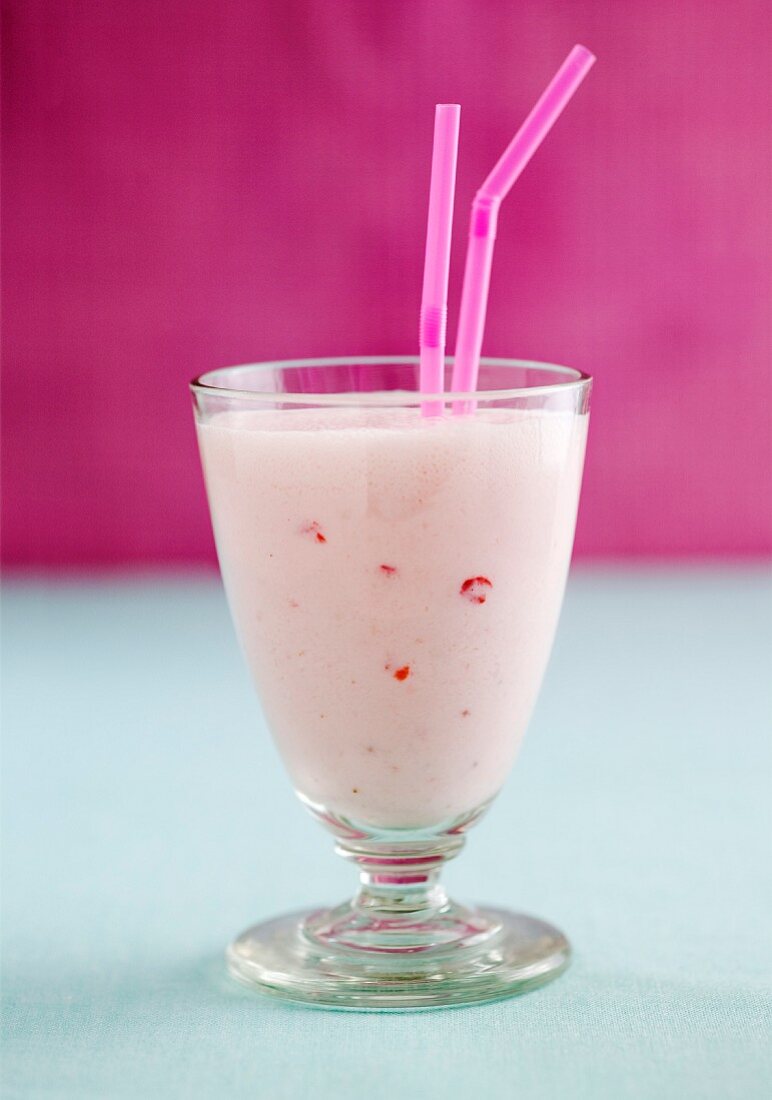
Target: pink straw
{"type": "Point", "coordinates": [485, 209]}
{"type": "Point", "coordinates": [434, 299]}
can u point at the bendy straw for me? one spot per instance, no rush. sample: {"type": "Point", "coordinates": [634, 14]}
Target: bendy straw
{"type": "Point", "coordinates": [434, 299]}
{"type": "Point", "coordinates": [485, 208]}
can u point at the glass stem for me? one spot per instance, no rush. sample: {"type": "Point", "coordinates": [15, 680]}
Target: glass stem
{"type": "Point", "coordinates": [400, 881]}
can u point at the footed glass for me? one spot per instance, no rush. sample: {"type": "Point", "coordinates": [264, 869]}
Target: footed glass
{"type": "Point", "coordinates": [395, 580]}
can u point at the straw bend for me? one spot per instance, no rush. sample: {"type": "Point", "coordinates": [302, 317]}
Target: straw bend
{"type": "Point", "coordinates": [485, 209]}
{"type": "Point", "coordinates": [434, 323]}
{"type": "Point", "coordinates": [485, 215]}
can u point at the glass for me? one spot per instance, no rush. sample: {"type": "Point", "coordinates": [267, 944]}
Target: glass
{"type": "Point", "coordinates": [395, 580]}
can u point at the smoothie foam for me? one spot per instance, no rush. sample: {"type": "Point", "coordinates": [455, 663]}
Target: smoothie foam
{"type": "Point", "coordinates": [395, 582]}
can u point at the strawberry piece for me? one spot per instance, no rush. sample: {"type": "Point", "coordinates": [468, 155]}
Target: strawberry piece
{"type": "Point", "coordinates": [474, 589]}
{"type": "Point", "coordinates": [314, 530]}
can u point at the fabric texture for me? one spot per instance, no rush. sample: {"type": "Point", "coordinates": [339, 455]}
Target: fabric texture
{"type": "Point", "coordinates": [147, 820]}
{"type": "Point", "coordinates": [191, 184]}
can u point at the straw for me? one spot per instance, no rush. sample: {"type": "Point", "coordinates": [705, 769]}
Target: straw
{"type": "Point", "coordinates": [485, 208]}
{"type": "Point", "coordinates": [434, 299]}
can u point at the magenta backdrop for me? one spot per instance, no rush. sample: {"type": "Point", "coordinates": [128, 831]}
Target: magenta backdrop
{"type": "Point", "coordinates": [190, 184]}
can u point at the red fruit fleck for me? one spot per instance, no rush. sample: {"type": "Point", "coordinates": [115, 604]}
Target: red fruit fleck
{"type": "Point", "coordinates": [389, 570]}
{"type": "Point", "coordinates": [474, 589]}
{"type": "Point", "coordinates": [313, 529]}
{"type": "Point", "coordinates": [402, 673]}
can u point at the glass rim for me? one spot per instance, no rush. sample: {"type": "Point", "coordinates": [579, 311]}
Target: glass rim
{"type": "Point", "coordinates": [573, 379]}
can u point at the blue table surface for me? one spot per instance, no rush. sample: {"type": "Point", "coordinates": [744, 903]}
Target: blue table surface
{"type": "Point", "coordinates": [147, 819]}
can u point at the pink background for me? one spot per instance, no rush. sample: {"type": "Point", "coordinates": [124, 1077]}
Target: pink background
{"type": "Point", "coordinates": [190, 184]}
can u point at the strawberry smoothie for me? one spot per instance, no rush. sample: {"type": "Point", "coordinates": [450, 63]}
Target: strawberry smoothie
{"type": "Point", "coordinates": [396, 583]}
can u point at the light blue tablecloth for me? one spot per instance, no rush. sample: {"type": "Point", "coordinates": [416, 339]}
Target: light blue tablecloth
{"type": "Point", "coordinates": [147, 820]}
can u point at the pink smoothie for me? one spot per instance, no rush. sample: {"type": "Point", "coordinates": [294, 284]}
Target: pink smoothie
{"type": "Point", "coordinates": [396, 583]}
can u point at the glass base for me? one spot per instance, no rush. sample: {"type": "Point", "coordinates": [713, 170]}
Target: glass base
{"type": "Point", "coordinates": [328, 958]}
